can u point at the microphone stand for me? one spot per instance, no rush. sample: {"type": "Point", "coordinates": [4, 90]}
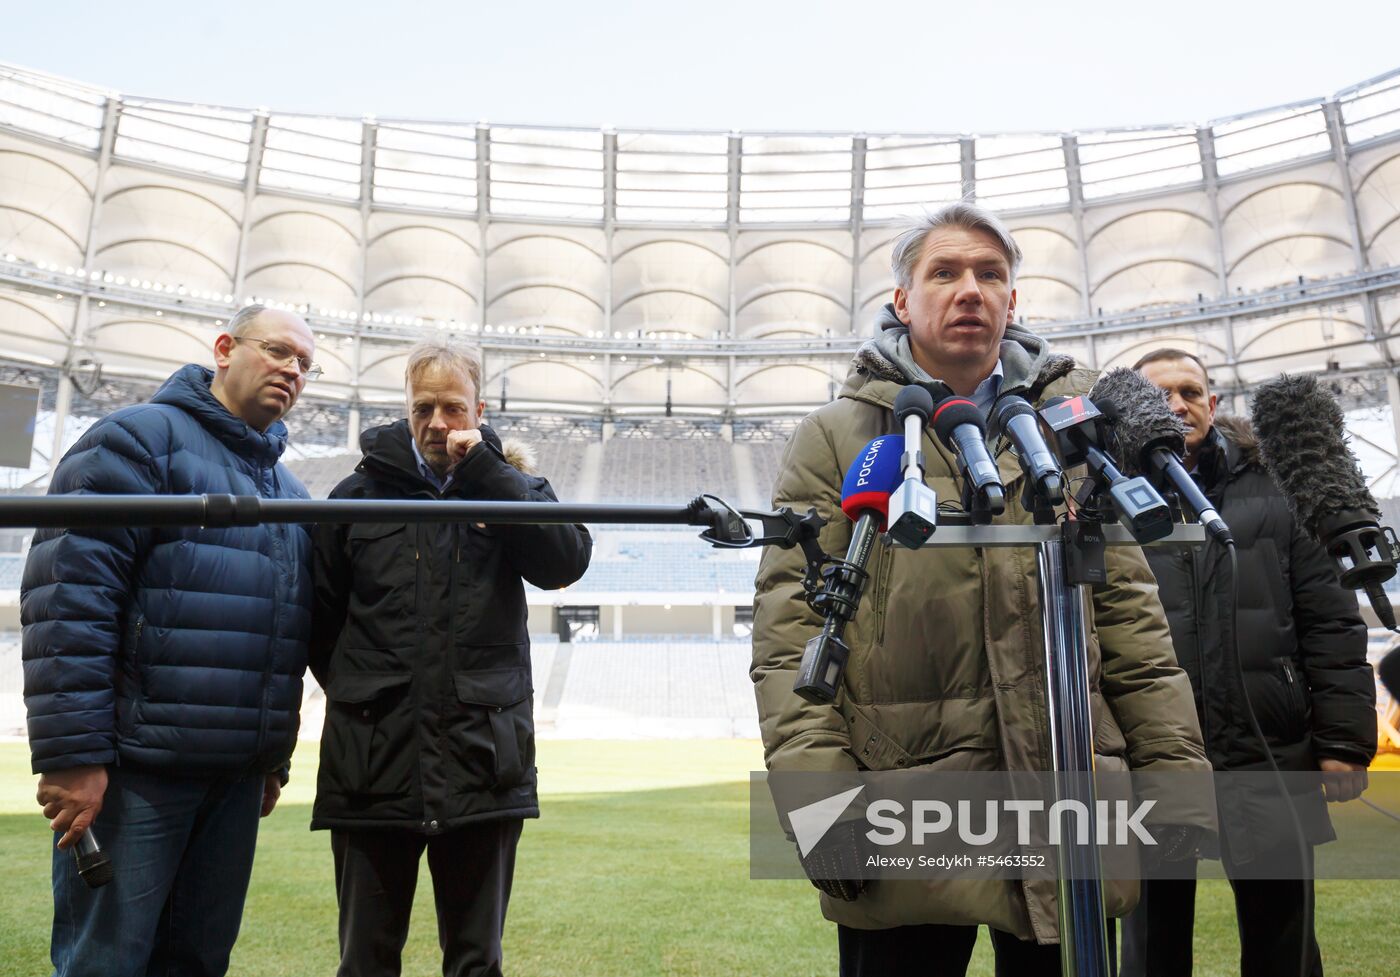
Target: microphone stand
{"type": "Point", "coordinates": [1069, 556]}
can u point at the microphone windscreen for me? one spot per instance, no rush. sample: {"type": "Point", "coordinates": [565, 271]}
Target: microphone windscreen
{"type": "Point", "coordinates": [1302, 441]}
{"type": "Point", "coordinates": [951, 414]}
{"type": "Point", "coordinates": [913, 400]}
{"type": "Point", "coordinates": [874, 477]}
{"type": "Point", "coordinates": [1141, 417]}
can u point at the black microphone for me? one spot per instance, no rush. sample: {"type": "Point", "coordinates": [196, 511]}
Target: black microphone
{"type": "Point", "coordinates": [1014, 418]}
{"type": "Point", "coordinates": [1152, 440]}
{"type": "Point", "coordinates": [1076, 423]}
{"type": "Point", "coordinates": [913, 509]}
{"type": "Point", "coordinates": [94, 864]}
{"type": "Point", "coordinates": [1300, 427]}
{"type": "Point", "coordinates": [959, 425]}
{"type": "Point", "coordinates": [865, 498]}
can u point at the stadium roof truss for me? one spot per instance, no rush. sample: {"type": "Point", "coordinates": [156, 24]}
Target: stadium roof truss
{"type": "Point", "coordinates": [622, 273]}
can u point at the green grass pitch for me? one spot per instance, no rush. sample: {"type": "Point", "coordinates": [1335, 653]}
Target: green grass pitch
{"type": "Point", "coordinates": [639, 866]}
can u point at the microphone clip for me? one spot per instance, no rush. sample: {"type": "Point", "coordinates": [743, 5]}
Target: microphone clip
{"type": "Point", "coordinates": [784, 528]}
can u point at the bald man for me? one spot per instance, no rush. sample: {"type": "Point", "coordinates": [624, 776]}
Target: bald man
{"type": "Point", "coordinates": [163, 666]}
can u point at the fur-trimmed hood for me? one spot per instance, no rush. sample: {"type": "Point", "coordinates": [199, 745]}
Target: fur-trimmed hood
{"type": "Point", "coordinates": [1240, 442]}
{"type": "Point", "coordinates": [1026, 360]}
{"type": "Point", "coordinates": [520, 455]}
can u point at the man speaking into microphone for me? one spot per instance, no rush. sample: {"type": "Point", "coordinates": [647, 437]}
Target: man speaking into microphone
{"type": "Point", "coordinates": [1302, 652]}
{"type": "Point", "coordinates": [945, 667]}
{"type": "Point", "coordinates": [420, 641]}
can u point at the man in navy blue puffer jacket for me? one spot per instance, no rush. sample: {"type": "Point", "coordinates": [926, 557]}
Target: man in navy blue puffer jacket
{"type": "Point", "coordinates": [163, 666]}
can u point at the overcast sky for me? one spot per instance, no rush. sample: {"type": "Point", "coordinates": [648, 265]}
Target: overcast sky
{"type": "Point", "coordinates": [879, 65]}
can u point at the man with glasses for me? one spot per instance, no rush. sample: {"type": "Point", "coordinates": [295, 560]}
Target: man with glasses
{"type": "Point", "coordinates": [163, 666]}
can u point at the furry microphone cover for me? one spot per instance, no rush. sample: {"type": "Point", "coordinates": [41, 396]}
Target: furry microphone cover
{"type": "Point", "coordinates": [1142, 420]}
{"type": "Point", "coordinates": [1301, 439]}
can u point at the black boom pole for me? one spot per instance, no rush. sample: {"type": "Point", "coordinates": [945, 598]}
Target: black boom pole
{"type": "Point", "coordinates": [217, 511]}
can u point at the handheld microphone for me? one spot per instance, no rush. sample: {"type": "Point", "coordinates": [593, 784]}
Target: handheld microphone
{"type": "Point", "coordinates": [865, 498]}
{"type": "Point", "coordinates": [1014, 418]}
{"type": "Point", "coordinates": [1300, 429]}
{"type": "Point", "coordinates": [94, 864]}
{"type": "Point", "coordinates": [1075, 421]}
{"type": "Point", "coordinates": [959, 425]}
{"type": "Point", "coordinates": [913, 509]}
{"type": "Point", "coordinates": [1152, 440]}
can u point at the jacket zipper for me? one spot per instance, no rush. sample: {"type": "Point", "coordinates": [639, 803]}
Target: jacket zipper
{"type": "Point", "coordinates": [280, 562]}
{"type": "Point", "coordinates": [882, 579]}
{"type": "Point", "coordinates": [1200, 658]}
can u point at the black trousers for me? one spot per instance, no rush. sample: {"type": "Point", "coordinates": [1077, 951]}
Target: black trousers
{"type": "Point", "coordinates": [1274, 928]}
{"type": "Point", "coordinates": [934, 950]}
{"type": "Point", "coordinates": [376, 873]}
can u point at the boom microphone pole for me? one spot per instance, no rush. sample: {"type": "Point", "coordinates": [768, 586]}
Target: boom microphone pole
{"type": "Point", "coordinates": [220, 511]}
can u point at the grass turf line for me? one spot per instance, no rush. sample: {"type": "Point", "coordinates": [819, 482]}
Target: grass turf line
{"type": "Point", "coordinates": [638, 867]}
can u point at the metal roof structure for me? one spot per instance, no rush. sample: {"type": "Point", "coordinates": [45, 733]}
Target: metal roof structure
{"type": "Point", "coordinates": [616, 273]}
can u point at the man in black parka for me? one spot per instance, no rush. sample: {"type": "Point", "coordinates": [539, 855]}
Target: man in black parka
{"type": "Point", "coordinates": [419, 639]}
{"type": "Point", "coordinates": [1302, 653]}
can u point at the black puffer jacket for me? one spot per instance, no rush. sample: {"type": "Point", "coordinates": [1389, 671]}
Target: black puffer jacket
{"type": "Point", "coordinates": [1302, 643]}
{"type": "Point", "coordinates": [419, 639]}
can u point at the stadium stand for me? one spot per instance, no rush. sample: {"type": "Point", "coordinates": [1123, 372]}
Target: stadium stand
{"type": "Point", "coordinates": [320, 475]}
{"type": "Point", "coordinates": [659, 470]}
{"type": "Point", "coordinates": [657, 689]}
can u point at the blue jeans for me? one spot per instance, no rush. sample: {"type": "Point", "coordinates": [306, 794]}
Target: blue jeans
{"type": "Point", "coordinates": [183, 853]}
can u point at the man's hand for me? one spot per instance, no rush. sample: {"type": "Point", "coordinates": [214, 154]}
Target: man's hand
{"type": "Point", "coordinates": [71, 799]}
{"type": "Point", "coordinates": [272, 790]}
{"type": "Point", "coordinates": [459, 443]}
{"type": "Point", "coordinates": [834, 865]}
{"type": "Point", "coordinates": [1175, 843]}
{"type": "Point", "coordinates": [1342, 780]}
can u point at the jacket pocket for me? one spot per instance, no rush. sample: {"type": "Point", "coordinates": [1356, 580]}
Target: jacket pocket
{"type": "Point", "coordinates": [1278, 701]}
{"type": "Point", "coordinates": [497, 730]}
{"type": "Point", "coordinates": [370, 726]}
{"type": "Point", "coordinates": [385, 555]}
{"type": "Point", "coordinates": [1299, 710]}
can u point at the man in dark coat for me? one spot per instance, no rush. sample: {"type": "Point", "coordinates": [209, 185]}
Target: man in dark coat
{"type": "Point", "coordinates": [163, 666]}
{"type": "Point", "coordinates": [1302, 653]}
{"type": "Point", "coordinates": [420, 642]}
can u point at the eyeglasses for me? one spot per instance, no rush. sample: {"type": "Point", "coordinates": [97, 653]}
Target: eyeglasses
{"type": "Point", "coordinates": [281, 356]}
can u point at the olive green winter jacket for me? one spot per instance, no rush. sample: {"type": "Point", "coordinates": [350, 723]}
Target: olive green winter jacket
{"type": "Point", "coordinates": [946, 667]}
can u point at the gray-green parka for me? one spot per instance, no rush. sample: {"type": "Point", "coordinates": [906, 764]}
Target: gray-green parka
{"type": "Point", "coordinates": [946, 666]}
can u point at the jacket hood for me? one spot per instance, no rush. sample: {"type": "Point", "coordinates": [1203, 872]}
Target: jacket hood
{"type": "Point", "coordinates": [388, 450]}
{"type": "Point", "coordinates": [1230, 448]}
{"type": "Point", "coordinates": [1238, 432]}
{"type": "Point", "coordinates": [1026, 361]}
{"type": "Point", "coordinates": [188, 388]}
